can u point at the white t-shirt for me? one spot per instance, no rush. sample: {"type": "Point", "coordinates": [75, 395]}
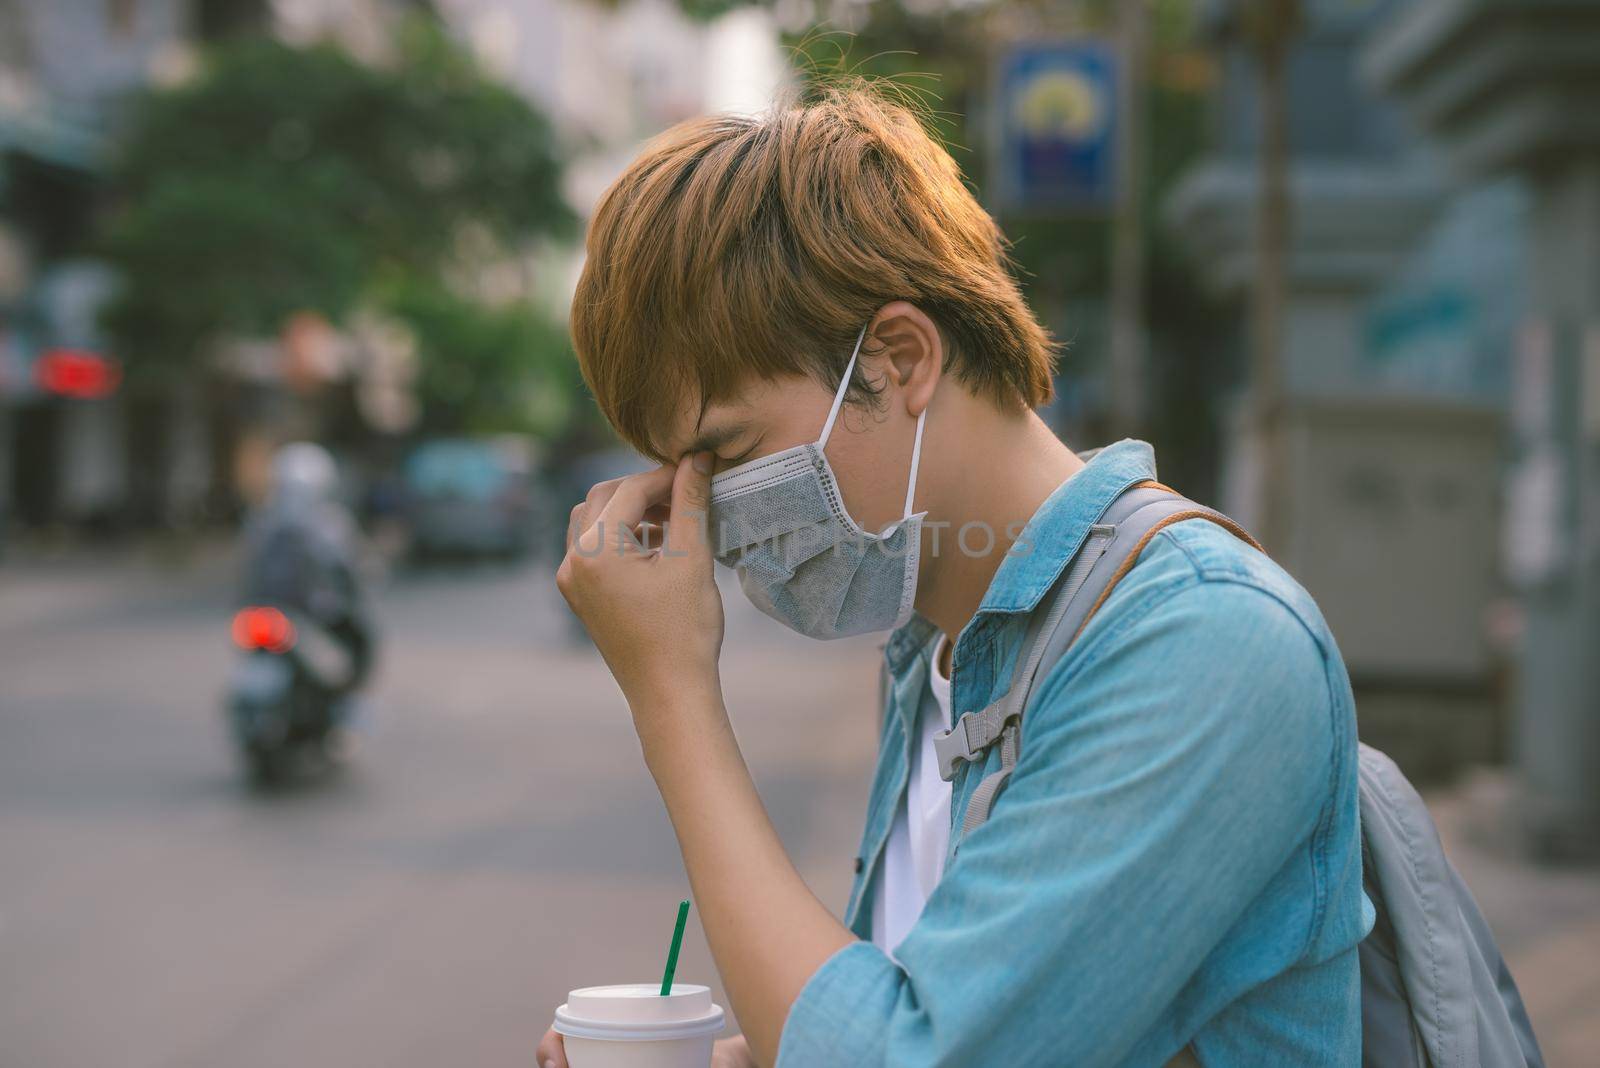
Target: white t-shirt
{"type": "Point", "coordinates": [913, 858]}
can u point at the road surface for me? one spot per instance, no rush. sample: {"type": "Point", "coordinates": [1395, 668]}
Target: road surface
{"type": "Point", "coordinates": [495, 842]}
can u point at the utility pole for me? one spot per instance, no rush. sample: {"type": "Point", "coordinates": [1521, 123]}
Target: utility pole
{"type": "Point", "coordinates": [1127, 378]}
{"type": "Point", "coordinates": [1270, 26]}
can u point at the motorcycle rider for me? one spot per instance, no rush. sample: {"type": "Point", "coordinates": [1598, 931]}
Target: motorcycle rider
{"type": "Point", "coordinates": [302, 555]}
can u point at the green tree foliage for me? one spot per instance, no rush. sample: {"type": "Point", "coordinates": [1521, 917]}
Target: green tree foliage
{"type": "Point", "coordinates": [467, 353]}
{"type": "Point", "coordinates": [283, 179]}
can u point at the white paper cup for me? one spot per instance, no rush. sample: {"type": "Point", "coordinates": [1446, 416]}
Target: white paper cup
{"type": "Point", "coordinates": [633, 1026]}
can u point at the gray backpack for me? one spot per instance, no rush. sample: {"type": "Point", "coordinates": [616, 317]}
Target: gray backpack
{"type": "Point", "coordinates": [1435, 991]}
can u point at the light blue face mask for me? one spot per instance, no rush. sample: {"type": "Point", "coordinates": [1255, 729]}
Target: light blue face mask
{"type": "Point", "coordinates": [781, 523]}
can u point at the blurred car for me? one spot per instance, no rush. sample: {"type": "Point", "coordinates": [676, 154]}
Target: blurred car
{"type": "Point", "coordinates": [566, 483]}
{"type": "Point", "coordinates": [468, 497]}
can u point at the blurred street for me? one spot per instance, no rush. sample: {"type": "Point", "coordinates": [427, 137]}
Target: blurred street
{"type": "Point", "coordinates": [496, 841]}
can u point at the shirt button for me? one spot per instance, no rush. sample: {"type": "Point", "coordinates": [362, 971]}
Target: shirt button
{"type": "Point", "coordinates": [859, 865]}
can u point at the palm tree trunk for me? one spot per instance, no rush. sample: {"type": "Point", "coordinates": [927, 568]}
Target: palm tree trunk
{"type": "Point", "coordinates": [1275, 25]}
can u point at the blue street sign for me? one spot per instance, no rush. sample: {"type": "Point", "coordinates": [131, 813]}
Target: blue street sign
{"type": "Point", "coordinates": [1054, 142]}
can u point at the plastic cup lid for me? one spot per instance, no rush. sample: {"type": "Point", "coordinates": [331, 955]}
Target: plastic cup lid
{"type": "Point", "coordinates": [636, 1012]}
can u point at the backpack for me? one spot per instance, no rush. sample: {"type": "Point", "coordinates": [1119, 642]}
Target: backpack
{"type": "Point", "coordinates": [1435, 991]}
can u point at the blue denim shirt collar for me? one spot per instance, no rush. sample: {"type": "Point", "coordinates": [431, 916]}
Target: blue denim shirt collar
{"type": "Point", "coordinates": [1047, 542]}
{"type": "Point", "coordinates": [1062, 522]}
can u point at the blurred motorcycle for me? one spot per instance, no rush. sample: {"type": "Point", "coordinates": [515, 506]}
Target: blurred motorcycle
{"type": "Point", "coordinates": [289, 694]}
{"type": "Point", "coordinates": [303, 632]}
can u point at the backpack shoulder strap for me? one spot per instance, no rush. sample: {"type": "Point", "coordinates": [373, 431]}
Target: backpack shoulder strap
{"type": "Point", "coordinates": [1109, 552]}
{"type": "Point", "coordinates": [1137, 516]}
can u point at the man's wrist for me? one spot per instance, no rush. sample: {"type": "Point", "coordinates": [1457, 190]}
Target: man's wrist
{"type": "Point", "coordinates": [682, 718]}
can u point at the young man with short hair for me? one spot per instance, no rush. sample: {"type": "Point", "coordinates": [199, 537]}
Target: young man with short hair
{"type": "Point", "coordinates": [808, 319]}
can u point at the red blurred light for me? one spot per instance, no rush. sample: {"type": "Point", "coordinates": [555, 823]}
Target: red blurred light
{"type": "Point", "coordinates": [77, 373]}
{"type": "Point", "coordinates": [266, 628]}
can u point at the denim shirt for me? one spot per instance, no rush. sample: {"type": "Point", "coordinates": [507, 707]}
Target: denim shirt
{"type": "Point", "coordinates": [1176, 859]}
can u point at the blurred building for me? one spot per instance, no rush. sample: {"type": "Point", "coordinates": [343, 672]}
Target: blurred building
{"type": "Point", "coordinates": [63, 68]}
{"type": "Point", "coordinates": [1402, 298]}
{"type": "Point", "coordinates": [609, 76]}
{"type": "Point", "coordinates": [1506, 91]}
{"type": "Point", "coordinates": [612, 76]}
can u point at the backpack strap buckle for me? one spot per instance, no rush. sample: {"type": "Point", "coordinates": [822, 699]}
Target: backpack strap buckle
{"type": "Point", "coordinates": [973, 733]}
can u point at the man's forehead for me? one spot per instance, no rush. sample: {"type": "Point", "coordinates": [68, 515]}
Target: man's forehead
{"type": "Point", "coordinates": [698, 429]}
{"type": "Point", "coordinates": [697, 426]}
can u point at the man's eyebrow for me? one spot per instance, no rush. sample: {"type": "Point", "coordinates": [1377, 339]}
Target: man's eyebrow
{"type": "Point", "coordinates": [712, 440]}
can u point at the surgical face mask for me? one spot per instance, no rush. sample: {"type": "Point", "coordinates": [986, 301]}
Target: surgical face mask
{"type": "Point", "coordinates": [781, 523]}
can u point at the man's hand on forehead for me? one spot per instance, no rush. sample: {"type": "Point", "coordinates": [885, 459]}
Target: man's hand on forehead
{"type": "Point", "coordinates": [650, 495]}
{"type": "Point", "coordinates": [638, 572]}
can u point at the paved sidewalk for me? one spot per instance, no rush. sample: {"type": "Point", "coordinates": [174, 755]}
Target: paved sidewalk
{"type": "Point", "coordinates": [1546, 919]}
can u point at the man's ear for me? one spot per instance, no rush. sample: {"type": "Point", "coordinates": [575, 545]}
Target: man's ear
{"type": "Point", "coordinates": [911, 352]}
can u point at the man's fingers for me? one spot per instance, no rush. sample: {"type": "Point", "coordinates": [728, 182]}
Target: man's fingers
{"type": "Point", "coordinates": [691, 483]}
{"type": "Point", "coordinates": [634, 496]}
{"type": "Point", "coordinates": [577, 523]}
{"type": "Point", "coordinates": [552, 1053]}
{"type": "Point", "coordinates": [610, 518]}
{"type": "Point", "coordinates": [688, 529]}
{"type": "Point", "coordinates": [731, 1053]}
{"type": "Point", "coordinates": [582, 515]}
{"type": "Point", "coordinates": [623, 515]}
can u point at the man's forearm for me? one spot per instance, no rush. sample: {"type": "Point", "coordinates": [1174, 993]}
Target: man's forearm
{"type": "Point", "coordinates": [768, 933]}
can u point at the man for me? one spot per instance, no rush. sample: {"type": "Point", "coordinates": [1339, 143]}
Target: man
{"type": "Point", "coordinates": [301, 553]}
{"type": "Point", "coordinates": [807, 318]}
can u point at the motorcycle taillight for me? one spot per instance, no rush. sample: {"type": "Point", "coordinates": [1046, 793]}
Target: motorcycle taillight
{"type": "Point", "coordinates": [263, 627]}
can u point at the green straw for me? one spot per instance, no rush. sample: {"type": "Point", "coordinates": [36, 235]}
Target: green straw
{"type": "Point", "coordinates": [672, 954]}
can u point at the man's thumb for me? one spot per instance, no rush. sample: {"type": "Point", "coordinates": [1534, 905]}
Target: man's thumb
{"type": "Point", "coordinates": [688, 527]}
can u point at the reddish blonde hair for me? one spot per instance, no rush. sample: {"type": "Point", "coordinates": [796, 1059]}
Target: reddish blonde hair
{"type": "Point", "coordinates": [738, 247]}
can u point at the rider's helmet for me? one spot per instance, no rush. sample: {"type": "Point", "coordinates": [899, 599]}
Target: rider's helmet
{"type": "Point", "coordinates": [303, 475]}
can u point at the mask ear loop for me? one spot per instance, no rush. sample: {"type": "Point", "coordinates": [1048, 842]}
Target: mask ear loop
{"type": "Point", "coordinates": [916, 458]}
{"type": "Point", "coordinates": [844, 386]}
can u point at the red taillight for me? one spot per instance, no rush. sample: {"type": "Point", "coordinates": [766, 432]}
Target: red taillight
{"type": "Point", "coordinates": [77, 373]}
{"type": "Point", "coordinates": [263, 628]}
